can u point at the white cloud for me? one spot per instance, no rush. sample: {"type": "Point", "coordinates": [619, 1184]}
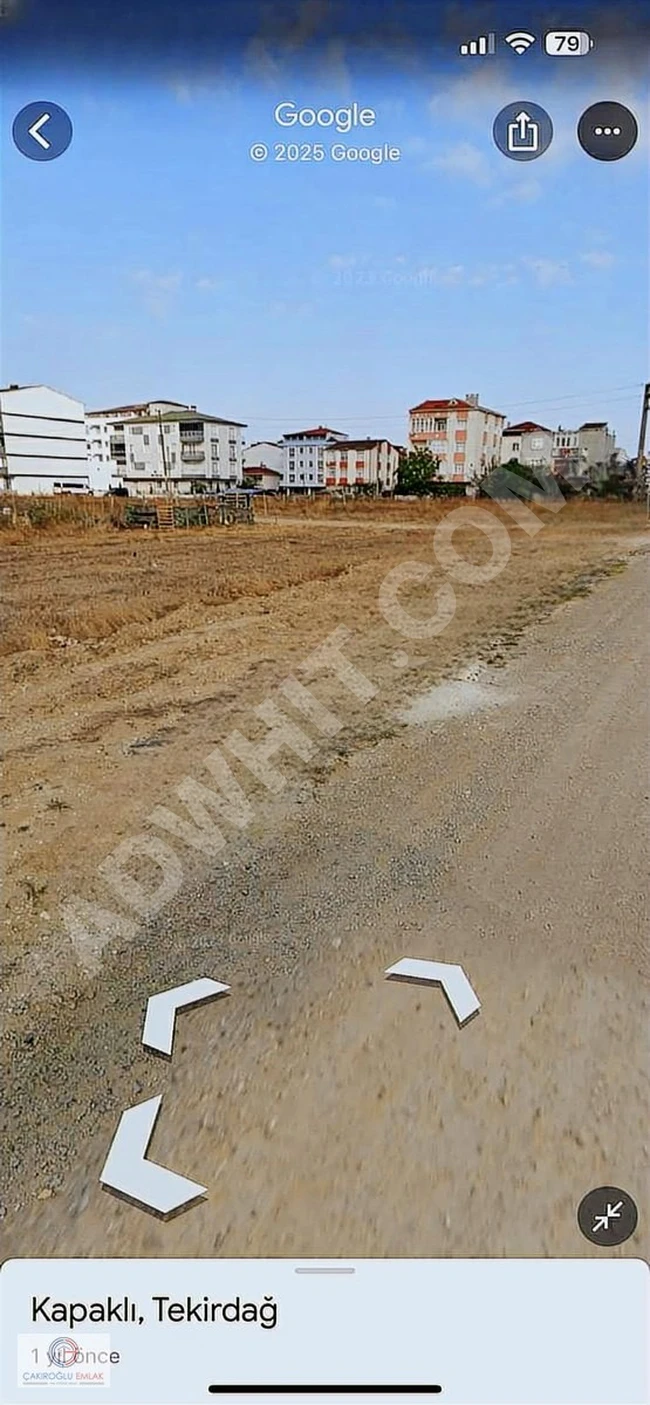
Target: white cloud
{"type": "Point", "coordinates": [291, 309]}
{"type": "Point", "coordinates": [158, 289]}
{"type": "Point", "coordinates": [210, 81]}
{"type": "Point", "coordinates": [466, 160]}
{"type": "Point", "coordinates": [548, 273]}
{"type": "Point", "coordinates": [342, 260]}
{"type": "Point", "coordinates": [209, 285]}
{"type": "Point", "coordinates": [598, 258]}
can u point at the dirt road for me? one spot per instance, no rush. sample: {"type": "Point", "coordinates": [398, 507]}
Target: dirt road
{"type": "Point", "coordinates": [332, 1112]}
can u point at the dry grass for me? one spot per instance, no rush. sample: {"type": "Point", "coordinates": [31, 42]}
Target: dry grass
{"type": "Point", "coordinates": [73, 583]}
{"type": "Point", "coordinates": [128, 653]}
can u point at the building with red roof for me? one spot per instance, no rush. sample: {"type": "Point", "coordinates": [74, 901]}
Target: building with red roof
{"type": "Point", "coordinates": [463, 435]}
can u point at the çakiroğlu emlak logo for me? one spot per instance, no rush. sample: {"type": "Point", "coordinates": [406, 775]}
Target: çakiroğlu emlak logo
{"type": "Point", "coordinates": [63, 1351]}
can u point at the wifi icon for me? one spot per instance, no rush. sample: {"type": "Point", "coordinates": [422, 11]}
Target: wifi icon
{"type": "Point", "coordinates": [520, 41]}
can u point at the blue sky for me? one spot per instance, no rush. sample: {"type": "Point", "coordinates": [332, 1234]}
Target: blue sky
{"type": "Point", "coordinates": [155, 259]}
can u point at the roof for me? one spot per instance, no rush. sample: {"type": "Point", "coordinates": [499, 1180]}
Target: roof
{"type": "Point", "coordinates": [526, 427]}
{"type": "Point", "coordinates": [594, 424]}
{"type": "Point", "coordinates": [262, 468]}
{"type": "Point", "coordinates": [179, 416]}
{"type": "Point", "coordinates": [319, 433]}
{"type": "Point", "coordinates": [140, 408]}
{"type": "Point", "coordinates": [346, 444]}
{"type": "Point", "coordinates": [257, 444]}
{"type": "Point", "coordinates": [453, 405]}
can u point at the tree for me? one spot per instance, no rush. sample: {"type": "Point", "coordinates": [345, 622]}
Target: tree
{"type": "Point", "coordinates": [524, 470]}
{"type": "Point", "coordinates": [416, 473]}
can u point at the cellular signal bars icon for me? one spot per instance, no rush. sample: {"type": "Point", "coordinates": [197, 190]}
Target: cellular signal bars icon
{"type": "Point", "coordinates": [478, 48]}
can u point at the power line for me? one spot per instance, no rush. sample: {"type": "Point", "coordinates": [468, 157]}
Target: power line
{"type": "Point", "coordinates": [586, 397]}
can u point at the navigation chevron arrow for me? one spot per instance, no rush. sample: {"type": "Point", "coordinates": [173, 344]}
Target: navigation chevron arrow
{"type": "Point", "coordinates": [128, 1174]}
{"type": "Point", "coordinates": [158, 1032]}
{"type": "Point", "coordinates": [455, 985]}
{"type": "Point", "coordinates": [35, 131]}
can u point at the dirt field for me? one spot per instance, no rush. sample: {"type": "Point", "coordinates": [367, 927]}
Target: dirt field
{"type": "Point", "coordinates": [126, 655]}
{"type": "Point", "coordinates": [327, 1110]}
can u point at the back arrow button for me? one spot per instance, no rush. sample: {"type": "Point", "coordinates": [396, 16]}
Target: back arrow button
{"type": "Point", "coordinates": [28, 134]}
{"type": "Point", "coordinates": [35, 131]}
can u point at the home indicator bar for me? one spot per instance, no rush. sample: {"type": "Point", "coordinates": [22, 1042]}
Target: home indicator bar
{"type": "Point", "coordinates": [324, 1390]}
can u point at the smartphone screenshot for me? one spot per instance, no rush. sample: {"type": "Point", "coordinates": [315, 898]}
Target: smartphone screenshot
{"type": "Point", "coordinates": [324, 530]}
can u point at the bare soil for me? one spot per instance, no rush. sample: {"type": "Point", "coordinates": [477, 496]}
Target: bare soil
{"type": "Point", "coordinates": [126, 654]}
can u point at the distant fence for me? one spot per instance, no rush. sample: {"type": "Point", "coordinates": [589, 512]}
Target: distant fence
{"type": "Point", "coordinates": [81, 511]}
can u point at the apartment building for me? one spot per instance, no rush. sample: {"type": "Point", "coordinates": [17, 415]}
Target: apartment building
{"type": "Point", "coordinates": [598, 441]}
{"type": "Point", "coordinates": [303, 457]}
{"type": "Point", "coordinates": [162, 446]}
{"type": "Point", "coordinates": [584, 453]}
{"type": "Point", "coordinates": [267, 480]}
{"type": "Point", "coordinates": [464, 435]}
{"type": "Point", "coordinates": [531, 444]}
{"type": "Point", "coordinates": [265, 454]}
{"type": "Point", "coordinates": [357, 464]}
{"type": "Point", "coordinates": [43, 443]}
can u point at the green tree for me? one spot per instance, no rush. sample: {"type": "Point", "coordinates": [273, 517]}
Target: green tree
{"type": "Point", "coordinates": [416, 473]}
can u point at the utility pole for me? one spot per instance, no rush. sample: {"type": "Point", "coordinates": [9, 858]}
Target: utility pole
{"type": "Point", "coordinates": [640, 456]}
{"type": "Point", "coordinates": [163, 452]}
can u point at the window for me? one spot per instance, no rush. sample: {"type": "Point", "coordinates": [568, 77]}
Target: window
{"type": "Point", "coordinates": [146, 439]}
{"type": "Point", "coordinates": [136, 429]}
{"type": "Point", "coordinates": [440, 424]}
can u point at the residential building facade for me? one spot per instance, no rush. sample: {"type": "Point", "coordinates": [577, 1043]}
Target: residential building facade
{"type": "Point", "coordinates": [531, 444]}
{"type": "Point", "coordinates": [358, 464]}
{"type": "Point", "coordinates": [584, 453]}
{"type": "Point", "coordinates": [43, 443]}
{"type": "Point", "coordinates": [303, 457]}
{"type": "Point", "coordinates": [569, 455]}
{"type": "Point", "coordinates": [464, 435]}
{"type": "Point", "coordinates": [599, 443]}
{"type": "Point", "coordinates": [264, 454]}
{"type": "Point", "coordinates": [267, 480]}
{"type": "Point", "coordinates": [165, 447]}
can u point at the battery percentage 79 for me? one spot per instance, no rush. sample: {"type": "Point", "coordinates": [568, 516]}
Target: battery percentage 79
{"type": "Point", "coordinates": [565, 43]}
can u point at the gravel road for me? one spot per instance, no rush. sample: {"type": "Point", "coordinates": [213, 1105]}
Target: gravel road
{"type": "Point", "coordinates": [332, 1112]}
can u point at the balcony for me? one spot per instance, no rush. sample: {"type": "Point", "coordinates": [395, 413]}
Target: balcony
{"type": "Point", "coordinates": [191, 436]}
{"type": "Point", "coordinates": [190, 454]}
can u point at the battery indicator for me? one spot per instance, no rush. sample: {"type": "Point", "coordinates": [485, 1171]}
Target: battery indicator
{"type": "Point", "coordinates": [568, 43]}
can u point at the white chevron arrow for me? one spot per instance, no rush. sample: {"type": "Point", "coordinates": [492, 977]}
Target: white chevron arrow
{"type": "Point", "coordinates": [35, 131]}
{"type": "Point", "coordinates": [158, 1032]}
{"type": "Point", "coordinates": [127, 1172]}
{"type": "Point", "coordinates": [455, 985]}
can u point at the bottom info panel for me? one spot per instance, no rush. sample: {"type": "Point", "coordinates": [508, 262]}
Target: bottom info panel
{"type": "Point", "coordinates": [182, 1332]}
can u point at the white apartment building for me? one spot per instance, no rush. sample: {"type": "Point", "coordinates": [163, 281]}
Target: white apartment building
{"type": "Point", "coordinates": [361, 463]}
{"type": "Point", "coordinates": [462, 434]}
{"type": "Point", "coordinates": [163, 447]}
{"type": "Point", "coordinates": [264, 454]}
{"type": "Point", "coordinates": [569, 455]}
{"type": "Point", "coordinates": [303, 457]}
{"type": "Point", "coordinates": [531, 444]}
{"type": "Point", "coordinates": [43, 443]}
